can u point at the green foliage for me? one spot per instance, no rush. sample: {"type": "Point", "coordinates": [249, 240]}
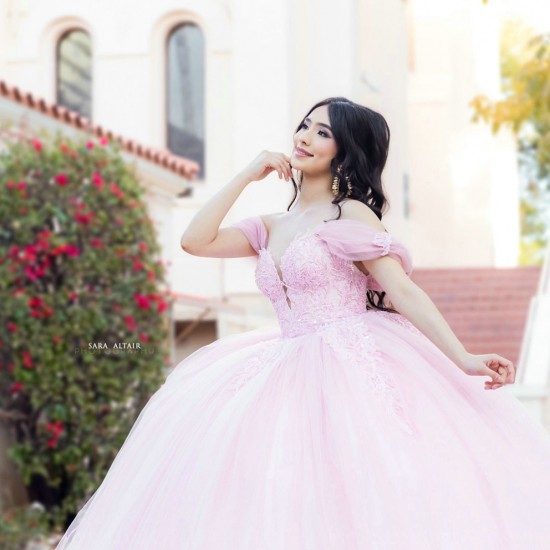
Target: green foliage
{"type": "Point", "coordinates": [79, 270]}
{"type": "Point", "coordinates": [525, 109]}
{"type": "Point", "coordinates": [20, 525]}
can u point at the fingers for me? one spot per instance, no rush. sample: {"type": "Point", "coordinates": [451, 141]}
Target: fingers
{"type": "Point", "coordinates": [502, 371]}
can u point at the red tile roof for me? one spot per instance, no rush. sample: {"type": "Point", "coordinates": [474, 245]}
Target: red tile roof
{"type": "Point", "coordinates": [486, 307]}
{"type": "Point", "coordinates": [180, 165]}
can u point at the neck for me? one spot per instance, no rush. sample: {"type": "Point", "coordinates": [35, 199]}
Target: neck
{"type": "Point", "coordinates": [315, 192]}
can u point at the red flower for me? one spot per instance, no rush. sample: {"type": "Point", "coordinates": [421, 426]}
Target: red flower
{"type": "Point", "coordinates": [18, 292]}
{"type": "Point", "coordinates": [73, 296]}
{"type": "Point", "coordinates": [61, 179]}
{"type": "Point", "coordinates": [27, 359]}
{"type": "Point", "coordinates": [84, 218]}
{"type": "Point", "coordinates": [16, 387]}
{"type": "Point", "coordinates": [21, 185]}
{"type": "Point", "coordinates": [142, 301]}
{"type": "Point", "coordinates": [35, 302]}
{"type": "Point", "coordinates": [12, 327]}
{"type": "Point", "coordinates": [10, 185]}
{"type": "Point", "coordinates": [96, 243]}
{"type": "Point", "coordinates": [72, 250]}
{"type": "Point", "coordinates": [151, 275]}
{"type": "Point", "coordinates": [104, 141]}
{"type": "Point", "coordinates": [130, 322]}
{"type": "Point", "coordinates": [162, 305]}
{"type": "Point", "coordinates": [45, 234]}
{"type": "Point", "coordinates": [142, 246]}
{"type": "Point", "coordinates": [143, 337]}
{"type": "Point", "coordinates": [37, 144]}
{"type": "Point", "coordinates": [116, 190]}
{"type": "Point", "coordinates": [52, 442]}
{"type": "Point", "coordinates": [56, 339]}
{"type": "Point", "coordinates": [138, 265]}
{"type": "Point", "coordinates": [90, 145]}
{"type": "Point", "coordinates": [64, 148]}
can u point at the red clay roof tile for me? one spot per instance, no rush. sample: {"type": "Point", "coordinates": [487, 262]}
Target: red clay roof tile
{"type": "Point", "coordinates": [180, 165]}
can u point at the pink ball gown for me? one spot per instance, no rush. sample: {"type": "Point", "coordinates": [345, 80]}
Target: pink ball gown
{"type": "Point", "coordinates": [340, 429]}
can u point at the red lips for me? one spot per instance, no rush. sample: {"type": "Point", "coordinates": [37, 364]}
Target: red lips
{"type": "Point", "coordinates": [303, 152]}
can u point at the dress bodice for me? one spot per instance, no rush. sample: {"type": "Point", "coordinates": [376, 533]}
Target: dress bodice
{"type": "Point", "coordinates": [318, 282]}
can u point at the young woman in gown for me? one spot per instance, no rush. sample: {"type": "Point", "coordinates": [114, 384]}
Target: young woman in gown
{"type": "Point", "coordinates": [348, 426]}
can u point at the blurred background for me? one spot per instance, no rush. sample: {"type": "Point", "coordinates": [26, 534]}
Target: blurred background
{"type": "Point", "coordinates": [193, 90]}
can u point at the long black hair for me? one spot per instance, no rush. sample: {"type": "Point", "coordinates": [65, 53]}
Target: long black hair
{"type": "Point", "coordinates": [363, 138]}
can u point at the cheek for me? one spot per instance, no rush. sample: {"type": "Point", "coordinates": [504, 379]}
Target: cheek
{"type": "Point", "coordinates": [327, 147]}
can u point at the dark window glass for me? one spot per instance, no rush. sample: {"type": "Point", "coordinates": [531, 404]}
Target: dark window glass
{"type": "Point", "coordinates": [185, 86]}
{"type": "Point", "coordinates": [74, 72]}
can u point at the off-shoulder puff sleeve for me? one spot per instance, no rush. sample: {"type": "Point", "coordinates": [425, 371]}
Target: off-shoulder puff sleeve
{"type": "Point", "coordinates": [254, 230]}
{"type": "Point", "coordinates": [356, 241]}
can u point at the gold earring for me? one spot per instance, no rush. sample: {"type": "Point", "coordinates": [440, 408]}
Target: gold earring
{"type": "Point", "coordinates": [336, 181]}
{"type": "Point", "coordinates": [348, 192]}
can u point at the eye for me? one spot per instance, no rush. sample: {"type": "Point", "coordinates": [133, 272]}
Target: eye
{"type": "Point", "coordinates": [323, 133]}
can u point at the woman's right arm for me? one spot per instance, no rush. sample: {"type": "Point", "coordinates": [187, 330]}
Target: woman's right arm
{"type": "Point", "coordinates": [203, 236]}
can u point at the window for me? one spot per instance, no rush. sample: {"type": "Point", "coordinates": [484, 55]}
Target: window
{"type": "Point", "coordinates": [74, 72]}
{"type": "Point", "coordinates": [185, 93]}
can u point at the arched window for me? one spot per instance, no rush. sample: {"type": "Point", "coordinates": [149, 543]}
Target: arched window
{"type": "Point", "coordinates": [74, 72]}
{"type": "Point", "coordinates": [185, 93]}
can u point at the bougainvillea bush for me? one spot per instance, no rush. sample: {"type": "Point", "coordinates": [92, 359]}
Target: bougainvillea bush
{"type": "Point", "coordinates": [83, 316]}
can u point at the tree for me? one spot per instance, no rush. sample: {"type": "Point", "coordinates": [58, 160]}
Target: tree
{"type": "Point", "coordinates": [525, 109]}
{"type": "Point", "coordinates": [83, 326]}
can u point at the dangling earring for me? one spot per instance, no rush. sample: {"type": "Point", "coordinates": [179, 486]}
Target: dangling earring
{"type": "Point", "coordinates": [336, 181]}
{"type": "Point", "coordinates": [348, 192]}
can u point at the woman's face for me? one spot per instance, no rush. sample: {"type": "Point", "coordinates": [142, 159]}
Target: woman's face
{"type": "Point", "coordinates": [314, 144]}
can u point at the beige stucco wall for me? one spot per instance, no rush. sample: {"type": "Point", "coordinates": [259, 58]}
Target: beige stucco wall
{"type": "Point", "coordinates": [418, 62]}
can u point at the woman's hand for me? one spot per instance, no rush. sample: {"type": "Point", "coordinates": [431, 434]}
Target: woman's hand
{"type": "Point", "coordinates": [265, 163]}
{"type": "Point", "coordinates": [501, 370]}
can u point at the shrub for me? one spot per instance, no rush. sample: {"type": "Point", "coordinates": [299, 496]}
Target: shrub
{"type": "Point", "coordinates": [79, 274]}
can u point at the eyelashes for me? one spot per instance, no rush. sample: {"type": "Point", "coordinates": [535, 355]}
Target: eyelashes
{"type": "Point", "coordinates": [321, 132]}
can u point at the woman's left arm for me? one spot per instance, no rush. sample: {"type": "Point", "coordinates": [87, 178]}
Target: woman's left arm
{"type": "Point", "coordinates": [412, 302]}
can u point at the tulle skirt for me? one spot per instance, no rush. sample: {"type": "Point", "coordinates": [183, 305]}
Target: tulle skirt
{"type": "Point", "coordinates": [362, 436]}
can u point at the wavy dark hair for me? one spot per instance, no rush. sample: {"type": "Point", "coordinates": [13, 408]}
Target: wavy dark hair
{"type": "Point", "coordinates": [363, 138]}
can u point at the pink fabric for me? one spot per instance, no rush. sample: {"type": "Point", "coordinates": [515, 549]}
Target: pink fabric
{"type": "Point", "coordinates": [338, 429]}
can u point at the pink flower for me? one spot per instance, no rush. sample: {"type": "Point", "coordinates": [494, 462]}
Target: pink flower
{"type": "Point", "coordinates": [96, 243]}
{"type": "Point", "coordinates": [151, 275]}
{"type": "Point", "coordinates": [142, 246]}
{"type": "Point", "coordinates": [61, 179]}
{"type": "Point", "coordinates": [97, 180]}
{"type": "Point", "coordinates": [64, 147]}
{"type": "Point", "coordinates": [142, 301]}
{"type": "Point", "coordinates": [72, 250]}
{"type": "Point", "coordinates": [162, 305]}
{"type": "Point", "coordinates": [137, 265]}
{"type": "Point", "coordinates": [143, 337]}
{"type": "Point", "coordinates": [104, 141]}
{"type": "Point", "coordinates": [116, 190]}
{"type": "Point", "coordinates": [73, 296]}
{"type": "Point", "coordinates": [21, 185]}
{"type": "Point", "coordinates": [37, 144]}
{"type": "Point", "coordinates": [27, 359]}
{"type": "Point", "coordinates": [90, 145]}
{"type": "Point", "coordinates": [130, 322]}
{"type": "Point", "coordinates": [10, 185]}
{"type": "Point", "coordinates": [12, 327]}
{"type": "Point", "coordinates": [29, 272]}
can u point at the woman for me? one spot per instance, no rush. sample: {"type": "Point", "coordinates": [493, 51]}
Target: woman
{"type": "Point", "coordinates": [359, 423]}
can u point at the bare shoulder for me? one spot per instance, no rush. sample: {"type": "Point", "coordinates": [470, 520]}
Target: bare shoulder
{"type": "Point", "coordinates": [268, 219]}
{"type": "Point", "coordinates": [353, 209]}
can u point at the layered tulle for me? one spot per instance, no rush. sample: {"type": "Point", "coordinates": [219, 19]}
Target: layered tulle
{"type": "Point", "coordinates": [361, 435]}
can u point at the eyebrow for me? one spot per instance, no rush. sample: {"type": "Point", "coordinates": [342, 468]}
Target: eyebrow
{"type": "Point", "coordinates": [307, 119]}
